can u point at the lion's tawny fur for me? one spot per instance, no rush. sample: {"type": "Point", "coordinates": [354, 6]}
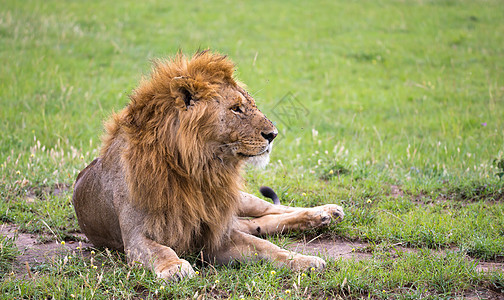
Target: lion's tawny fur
{"type": "Point", "coordinates": [168, 163]}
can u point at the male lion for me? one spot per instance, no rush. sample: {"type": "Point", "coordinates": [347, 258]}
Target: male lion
{"type": "Point", "coordinates": [167, 181]}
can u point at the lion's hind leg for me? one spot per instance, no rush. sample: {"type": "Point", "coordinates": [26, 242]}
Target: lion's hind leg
{"type": "Point", "coordinates": [245, 247]}
{"type": "Point", "coordinates": [95, 211]}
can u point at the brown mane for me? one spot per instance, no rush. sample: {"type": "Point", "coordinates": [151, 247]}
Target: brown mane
{"type": "Point", "coordinates": [169, 165]}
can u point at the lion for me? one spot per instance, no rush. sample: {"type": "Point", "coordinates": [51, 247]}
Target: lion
{"type": "Point", "coordinates": [168, 179]}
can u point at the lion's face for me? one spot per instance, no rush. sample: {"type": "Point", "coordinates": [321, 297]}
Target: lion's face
{"type": "Point", "coordinates": [244, 132]}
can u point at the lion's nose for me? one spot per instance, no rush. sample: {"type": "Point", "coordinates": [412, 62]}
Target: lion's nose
{"type": "Point", "coordinates": [269, 136]}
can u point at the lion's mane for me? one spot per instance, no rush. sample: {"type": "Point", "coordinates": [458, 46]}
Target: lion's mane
{"type": "Point", "coordinates": [188, 195]}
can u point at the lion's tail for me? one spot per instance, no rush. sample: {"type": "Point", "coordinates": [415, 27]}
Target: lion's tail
{"type": "Point", "coordinates": [266, 191]}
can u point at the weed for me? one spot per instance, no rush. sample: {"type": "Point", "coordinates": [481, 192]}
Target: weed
{"type": "Point", "coordinates": [499, 164]}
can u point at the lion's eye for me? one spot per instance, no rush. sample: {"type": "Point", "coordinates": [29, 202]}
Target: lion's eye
{"type": "Point", "coordinates": [236, 109]}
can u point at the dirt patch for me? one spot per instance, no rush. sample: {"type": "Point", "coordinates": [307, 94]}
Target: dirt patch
{"type": "Point", "coordinates": [482, 294]}
{"type": "Point", "coordinates": [490, 266]}
{"type": "Point", "coordinates": [354, 250]}
{"type": "Point", "coordinates": [34, 193]}
{"type": "Point", "coordinates": [395, 191]}
{"type": "Point", "coordinates": [33, 252]}
{"type": "Point", "coordinates": [331, 249]}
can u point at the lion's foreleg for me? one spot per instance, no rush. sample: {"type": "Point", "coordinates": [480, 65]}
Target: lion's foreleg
{"type": "Point", "coordinates": [245, 247]}
{"type": "Point", "coordinates": [301, 219]}
{"type": "Point", "coordinates": [141, 249]}
{"type": "Point", "coordinates": [259, 217]}
{"type": "Point", "coordinates": [252, 206]}
{"type": "Point", "coordinates": [164, 261]}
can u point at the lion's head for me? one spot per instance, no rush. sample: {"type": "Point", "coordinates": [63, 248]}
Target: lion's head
{"type": "Point", "coordinates": [186, 131]}
{"type": "Point", "coordinates": [197, 110]}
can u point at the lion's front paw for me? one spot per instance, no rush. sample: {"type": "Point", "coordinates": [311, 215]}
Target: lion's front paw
{"type": "Point", "coordinates": [307, 263]}
{"type": "Point", "coordinates": [323, 215]}
{"type": "Point", "coordinates": [318, 218]}
{"type": "Point", "coordinates": [175, 271]}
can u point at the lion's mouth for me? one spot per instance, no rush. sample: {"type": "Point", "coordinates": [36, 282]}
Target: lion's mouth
{"type": "Point", "coordinates": [247, 155]}
{"type": "Point", "coordinates": [264, 152]}
{"type": "Point", "coordinates": [252, 155]}
{"type": "Point", "coordinates": [260, 160]}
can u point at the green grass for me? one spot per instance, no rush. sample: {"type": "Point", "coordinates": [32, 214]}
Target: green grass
{"type": "Point", "coordinates": [8, 253]}
{"type": "Point", "coordinates": [367, 95]}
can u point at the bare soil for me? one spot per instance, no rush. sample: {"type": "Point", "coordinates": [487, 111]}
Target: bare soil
{"type": "Point", "coordinates": [32, 252]}
{"type": "Point", "coordinates": [356, 250]}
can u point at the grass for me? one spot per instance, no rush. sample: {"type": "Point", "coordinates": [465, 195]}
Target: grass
{"type": "Point", "coordinates": [104, 275]}
{"type": "Point", "coordinates": [8, 253]}
{"type": "Point", "coordinates": [391, 108]}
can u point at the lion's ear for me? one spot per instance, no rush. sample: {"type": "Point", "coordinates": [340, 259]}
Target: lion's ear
{"type": "Point", "coordinates": [187, 97]}
{"type": "Point", "coordinates": [184, 89]}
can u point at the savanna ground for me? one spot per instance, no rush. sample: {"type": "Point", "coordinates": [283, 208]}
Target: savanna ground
{"type": "Point", "coordinates": [393, 109]}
